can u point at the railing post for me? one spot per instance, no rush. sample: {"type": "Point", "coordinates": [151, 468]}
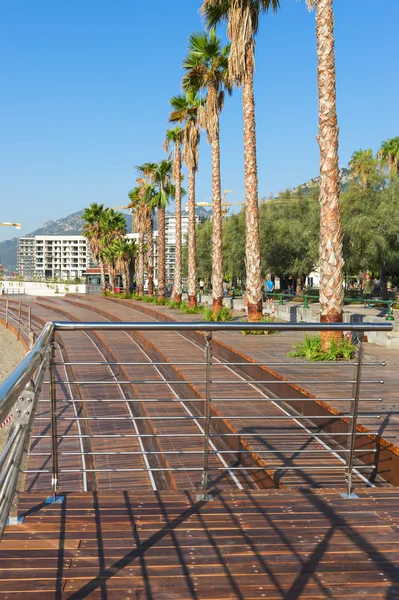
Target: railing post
{"type": "Point", "coordinates": [7, 301]}
{"type": "Point", "coordinates": [19, 318]}
{"type": "Point", "coordinates": [281, 300]}
{"type": "Point", "coordinates": [29, 318]}
{"type": "Point", "coordinates": [53, 416]}
{"type": "Point", "coordinates": [305, 302]}
{"type": "Point", "coordinates": [207, 414]}
{"type": "Point", "coordinates": [354, 414]}
{"type": "Point", "coordinates": [389, 316]}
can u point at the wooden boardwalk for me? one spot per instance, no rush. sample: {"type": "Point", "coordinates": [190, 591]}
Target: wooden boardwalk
{"type": "Point", "coordinates": [122, 539]}
{"type": "Point", "coordinates": [244, 545]}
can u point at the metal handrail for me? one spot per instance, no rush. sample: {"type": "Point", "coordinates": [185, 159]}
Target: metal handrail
{"type": "Point", "coordinates": [19, 395]}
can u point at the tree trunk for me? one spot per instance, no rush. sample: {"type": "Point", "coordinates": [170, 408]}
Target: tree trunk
{"type": "Point", "coordinates": [150, 256]}
{"type": "Point", "coordinates": [140, 266]}
{"type": "Point", "coordinates": [177, 287]}
{"type": "Point", "coordinates": [298, 285]}
{"type": "Point", "coordinates": [383, 281]}
{"type": "Point", "coordinates": [102, 272]}
{"type": "Point", "coordinates": [331, 259]}
{"type": "Point", "coordinates": [161, 253]}
{"type": "Point", "coordinates": [217, 257]}
{"type": "Point", "coordinates": [192, 260]}
{"type": "Point", "coordinates": [252, 242]}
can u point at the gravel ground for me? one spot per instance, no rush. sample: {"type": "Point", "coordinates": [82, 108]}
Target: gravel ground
{"type": "Point", "coordinates": [11, 353]}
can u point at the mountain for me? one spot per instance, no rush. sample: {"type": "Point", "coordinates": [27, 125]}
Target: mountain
{"type": "Point", "coordinates": [70, 225]}
{"type": "Point", "coordinates": [344, 177]}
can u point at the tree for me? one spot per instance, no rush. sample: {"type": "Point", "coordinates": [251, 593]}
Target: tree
{"type": "Point", "coordinates": [139, 204]}
{"type": "Point", "coordinates": [113, 228]}
{"type": "Point", "coordinates": [174, 137]}
{"type": "Point", "coordinates": [92, 230]}
{"type": "Point", "coordinates": [389, 155]}
{"type": "Point", "coordinates": [363, 167]}
{"type": "Point", "coordinates": [162, 191]}
{"type": "Point", "coordinates": [206, 68]}
{"type": "Point", "coordinates": [185, 110]}
{"type": "Point", "coordinates": [147, 211]}
{"type": "Point", "coordinates": [330, 254]}
{"type": "Point", "coordinates": [242, 18]}
{"type": "Point", "coordinates": [125, 254]}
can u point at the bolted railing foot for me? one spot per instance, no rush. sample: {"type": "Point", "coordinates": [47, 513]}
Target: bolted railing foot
{"type": "Point", "coordinates": [54, 499]}
{"type": "Point", "coordinates": [349, 496]}
{"type": "Point", "coordinates": [202, 497]}
{"type": "Point", "coordinates": [14, 521]}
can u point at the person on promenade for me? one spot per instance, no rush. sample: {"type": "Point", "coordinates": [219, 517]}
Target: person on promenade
{"type": "Point", "coordinates": [367, 290]}
{"type": "Point", "coordinates": [269, 287]}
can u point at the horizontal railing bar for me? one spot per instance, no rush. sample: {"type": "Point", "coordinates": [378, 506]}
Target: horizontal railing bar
{"type": "Point", "coordinates": [212, 326]}
{"type": "Point", "coordinates": [201, 452]}
{"type": "Point", "coordinates": [215, 381]}
{"type": "Point", "coordinates": [175, 400]}
{"type": "Point", "coordinates": [131, 470]}
{"type": "Point", "coordinates": [213, 417]}
{"type": "Point", "coordinates": [222, 364]}
{"type": "Point", "coordinates": [217, 435]}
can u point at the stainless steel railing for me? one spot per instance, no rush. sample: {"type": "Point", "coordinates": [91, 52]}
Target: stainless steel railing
{"type": "Point", "coordinates": [20, 393]}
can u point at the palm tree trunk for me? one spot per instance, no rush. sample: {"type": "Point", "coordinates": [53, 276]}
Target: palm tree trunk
{"type": "Point", "coordinates": [140, 266]}
{"type": "Point", "coordinates": [177, 288]}
{"type": "Point", "coordinates": [252, 246]}
{"type": "Point", "coordinates": [150, 256]}
{"type": "Point", "coordinates": [161, 253]}
{"type": "Point", "coordinates": [331, 260]}
{"type": "Point", "coordinates": [102, 274]}
{"type": "Point", "coordinates": [217, 258]}
{"type": "Point", "coordinates": [192, 259]}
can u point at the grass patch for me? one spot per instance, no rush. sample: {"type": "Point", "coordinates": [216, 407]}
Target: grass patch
{"type": "Point", "coordinates": [222, 315]}
{"type": "Point", "coordinates": [266, 319]}
{"type": "Point", "coordinates": [310, 349]}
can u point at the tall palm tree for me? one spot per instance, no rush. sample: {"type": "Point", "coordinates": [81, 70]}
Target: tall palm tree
{"type": "Point", "coordinates": [174, 137]}
{"type": "Point", "coordinates": [185, 110]}
{"type": "Point", "coordinates": [389, 155]}
{"type": "Point", "coordinates": [139, 208]}
{"type": "Point", "coordinates": [242, 18]}
{"type": "Point", "coordinates": [125, 252]}
{"type": "Point", "coordinates": [331, 257]}
{"type": "Point", "coordinates": [206, 67]}
{"type": "Point", "coordinates": [363, 166]}
{"type": "Point", "coordinates": [113, 228]}
{"type": "Point", "coordinates": [146, 171]}
{"type": "Point", "coordinates": [92, 230]}
{"type": "Point", "coordinates": [160, 177]}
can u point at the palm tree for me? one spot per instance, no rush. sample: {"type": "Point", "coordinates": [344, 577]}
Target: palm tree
{"type": "Point", "coordinates": [113, 228]}
{"type": "Point", "coordinates": [185, 110]}
{"type": "Point", "coordinates": [139, 208]}
{"type": "Point", "coordinates": [125, 252]}
{"type": "Point", "coordinates": [389, 155]}
{"type": "Point", "coordinates": [242, 18]}
{"type": "Point", "coordinates": [331, 257]}
{"type": "Point", "coordinates": [92, 230]}
{"type": "Point", "coordinates": [175, 136]}
{"type": "Point", "coordinates": [145, 182]}
{"type": "Point", "coordinates": [160, 177]}
{"type": "Point", "coordinates": [206, 68]}
{"type": "Point", "coordinates": [363, 166]}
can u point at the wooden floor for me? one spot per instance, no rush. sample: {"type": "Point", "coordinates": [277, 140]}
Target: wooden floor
{"type": "Point", "coordinates": [243, 545]}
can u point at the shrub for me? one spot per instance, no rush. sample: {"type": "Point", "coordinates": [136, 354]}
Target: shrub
{"type": "Point", "coordinates": [266, 319]}
{"type": "Point", "coordinates": [310, 349]}
{"type": "Point", "coordinates": [223, 314]}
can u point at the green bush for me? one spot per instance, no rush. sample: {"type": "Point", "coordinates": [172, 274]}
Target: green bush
{"type": "Point", "coordinates": [311, 349]}
{"type": "Point", "coordinates": [266, 319]}
{"type": "Point", "coordinates": [224, 314]}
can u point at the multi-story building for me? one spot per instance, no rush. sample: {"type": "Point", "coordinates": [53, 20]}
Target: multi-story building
{"type": "Point", "coordinates": [54, 256]}
{"type": "Point", "coordinates": [26, 256]}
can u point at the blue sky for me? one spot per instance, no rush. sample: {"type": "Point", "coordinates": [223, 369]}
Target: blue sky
{"type": "Point", "coordinates": [86, 88]}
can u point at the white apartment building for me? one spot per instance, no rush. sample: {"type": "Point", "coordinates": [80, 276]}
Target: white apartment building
{"type": "Point", "coordinates": [54, 256]}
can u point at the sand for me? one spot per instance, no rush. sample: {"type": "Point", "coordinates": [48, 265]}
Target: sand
{"type": "Point", "coordinates": [11, 352]}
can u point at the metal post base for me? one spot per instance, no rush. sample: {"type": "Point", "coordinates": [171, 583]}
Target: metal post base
{"type": "Point", "coordinates": [204, 497]}
{"type": "Point", "coordinates": [14, 521]}
{"type": "Point", "coordinates": [349, 496]}
{"type": "Point", "coordinates": [56, 500]}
